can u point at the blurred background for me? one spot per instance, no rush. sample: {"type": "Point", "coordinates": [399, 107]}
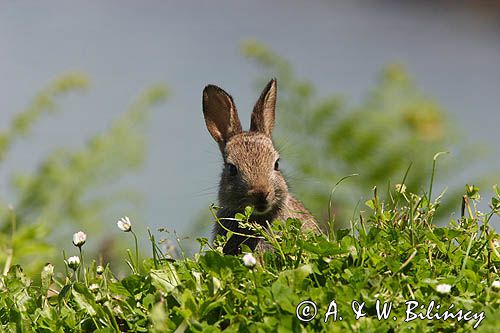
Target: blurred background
{"type": "Point", "coordinates": [100, 114]}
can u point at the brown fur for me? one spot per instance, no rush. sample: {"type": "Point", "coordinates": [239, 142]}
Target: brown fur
{"type": "Point", "coordinates": [256, 182]}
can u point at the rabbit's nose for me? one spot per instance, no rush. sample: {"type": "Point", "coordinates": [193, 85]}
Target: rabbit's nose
{"type": "Point", "coordinates": [261, 199]}
{"type": "Point", "coordinates": [260, 194]}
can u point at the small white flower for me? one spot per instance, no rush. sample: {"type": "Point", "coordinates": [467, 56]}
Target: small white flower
{"type": "Point", "coordinates": [496, 284]}
{"type": "Point", "coordinates": [217, 284]}
{"type": "Point", "coordinates": [353, 251]}
{"type": "Point", "coordinates": [73, 262]}
{"type": "Point", "coordinates": [124, 224]}
{"type": "Point", "coordinates": [79, 238]}
{"type": "Point", "coordinates": [48, 268]}
{"type": "Point", "coordinates": [401, 188]}
{"type": "Point", "coordinates": [99, 270]}
{"type": "Point", "coordinates": [249, 260]}
{"type": "Point", "coordinates": [94, 287]}
{"type": "Point", "coordinates": [443, 288]}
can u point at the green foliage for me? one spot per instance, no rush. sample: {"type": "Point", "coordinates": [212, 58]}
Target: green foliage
{"type": "Point", "coordinates": [44, 102]}
{"type": "Point", "coordinates": [69, 187]}
{"type": "Point", "coordinates": [393, 253]}
{"type": "Point", "coordinates": [395, 126]}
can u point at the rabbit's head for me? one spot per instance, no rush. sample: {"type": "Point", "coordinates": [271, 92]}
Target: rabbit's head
{"type": "Point", "coordinates": [251, 174]}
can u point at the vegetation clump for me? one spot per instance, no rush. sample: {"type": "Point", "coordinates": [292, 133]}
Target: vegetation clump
{"type": "Point", "coordinates": [366, 278]}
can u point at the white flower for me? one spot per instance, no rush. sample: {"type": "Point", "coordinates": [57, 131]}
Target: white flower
{"type": "Point", "coordinates": [443, 288]}
{"type": "Point", "coordinates": [124, 224]}
{"type": "Point", "coordinates": [99, 270]}
{"type": "Point", "coordinates": [401, 188]}
{"type": "Point", "coordinates": [48, 268]}
{"type": "Point", "coordinates": [79, 238]}
{"type": "Point", "coordinates": [73, 262]}
{"type": "Point", "coordinates": [249, 260]}
{"type": "Point", "coordinates": [496, 284]}
{"type": "Point", "coordinates": [94, 287]}
{"type": "Point", "coordinates": [216, 283]}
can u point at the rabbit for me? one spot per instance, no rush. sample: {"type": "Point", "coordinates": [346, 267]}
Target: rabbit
{"type": "Point", "coordinates": [251, 175]}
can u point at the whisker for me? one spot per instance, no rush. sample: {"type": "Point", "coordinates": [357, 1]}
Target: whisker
{"type": "Point", "coordinates": [210, 188]}
{"type": "Point", "coordinates": [204, 194]}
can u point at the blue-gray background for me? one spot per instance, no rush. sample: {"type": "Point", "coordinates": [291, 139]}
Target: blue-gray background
{"type": "Point", "coordinates": [452, 50]}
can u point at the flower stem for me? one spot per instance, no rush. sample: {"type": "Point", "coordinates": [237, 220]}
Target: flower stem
{"type": "Point", "coordinates": [136, 252]}
{"type": "Point", "coordinates": [82, 265]}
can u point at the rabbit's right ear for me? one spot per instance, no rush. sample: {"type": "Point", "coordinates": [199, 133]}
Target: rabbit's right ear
{"type": "Point", "coordinates": [263, 112]}
{"type": "Point", "coordinates": [220, 114]}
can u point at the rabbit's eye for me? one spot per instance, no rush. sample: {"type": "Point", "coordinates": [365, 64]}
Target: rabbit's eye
{"type": "Point", "coordinates": [277, 165]}
{"type": "Point", "coordinates": [232, 169]}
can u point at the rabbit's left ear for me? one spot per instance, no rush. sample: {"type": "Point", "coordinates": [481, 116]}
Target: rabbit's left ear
{"type": "Point", "coordinates": [221, 116]}
{"type": "Point", "coordinates": [262, 120]}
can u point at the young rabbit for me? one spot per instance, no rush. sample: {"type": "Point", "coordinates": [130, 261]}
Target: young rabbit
{"type": "Point", "coordinates": [251, 174]}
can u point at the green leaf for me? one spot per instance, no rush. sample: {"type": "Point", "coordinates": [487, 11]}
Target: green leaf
{"type": "Point", "coordinates": [84, 298]}
{"type": "Point", "coordinates": [165, 279]}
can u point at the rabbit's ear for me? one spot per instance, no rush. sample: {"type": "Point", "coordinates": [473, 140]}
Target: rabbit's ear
{"type": "Point", "coordinates": [220, 114]}
{"type": "Point", "coordinates": [263, 112]}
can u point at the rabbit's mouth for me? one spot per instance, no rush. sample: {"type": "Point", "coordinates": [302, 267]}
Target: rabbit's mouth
{"type": "Point", "coordinates": [262, 202]}
{"type": "Point", "coordinates": [262, 209]}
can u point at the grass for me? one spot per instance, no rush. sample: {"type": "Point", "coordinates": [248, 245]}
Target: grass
{"type": "Point", "coordinates": [393, 257]}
